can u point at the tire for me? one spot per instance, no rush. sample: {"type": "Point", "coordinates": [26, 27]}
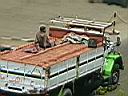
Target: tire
{"type": "Point", "coordinates": [115, 77]}
{"type": "Point", "coordinates": [111, 87]}
{"type": "Point", "coordinates": [67, 92]}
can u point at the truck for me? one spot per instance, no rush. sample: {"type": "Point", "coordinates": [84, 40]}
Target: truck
{"type": "Point", "coordinates": [84, 57]}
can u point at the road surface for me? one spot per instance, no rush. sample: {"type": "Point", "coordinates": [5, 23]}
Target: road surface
{"type": "Point", "coordinates": [21, 18]}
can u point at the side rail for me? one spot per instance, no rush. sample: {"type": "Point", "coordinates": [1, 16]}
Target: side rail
{"type": "Point", "coordinates": [74, 68]}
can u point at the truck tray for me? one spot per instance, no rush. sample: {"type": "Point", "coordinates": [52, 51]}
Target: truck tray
{"type": "Point", "coordinates": [47, 57]}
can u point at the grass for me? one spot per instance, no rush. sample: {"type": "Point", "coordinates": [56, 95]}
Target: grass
{"type": "Point", "coordinates": [120, 92]}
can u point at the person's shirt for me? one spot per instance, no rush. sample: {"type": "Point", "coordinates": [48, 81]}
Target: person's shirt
{"type": "Point", "coordinates": [42, 39]}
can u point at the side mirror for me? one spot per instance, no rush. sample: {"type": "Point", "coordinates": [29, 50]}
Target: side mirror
{"type": "Point", "coordinates": [118, 41]}
{"type": "Point", "coordinates": [92, 43]}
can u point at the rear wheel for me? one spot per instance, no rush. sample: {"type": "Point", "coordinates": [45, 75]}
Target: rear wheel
{"type": "Point", "coordinates": [67, 92]}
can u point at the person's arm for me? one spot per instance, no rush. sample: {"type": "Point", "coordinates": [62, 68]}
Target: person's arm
{"type": "Point", "coordinates": [36, 43]}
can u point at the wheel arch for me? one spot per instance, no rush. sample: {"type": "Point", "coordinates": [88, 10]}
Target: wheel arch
{"type": "Point", "coordinates": [119, 61]}
{"type": "Point", "coordinates": [112, 62]}
{"type": "Point", "coordinates": [70, 85]}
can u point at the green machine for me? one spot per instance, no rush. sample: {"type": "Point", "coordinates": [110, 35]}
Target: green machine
{"type": "Point", "coordinates": [112, 66]}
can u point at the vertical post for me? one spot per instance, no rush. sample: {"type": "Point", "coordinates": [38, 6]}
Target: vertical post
{"type": "Point", "coordinates": [47, 74]}
{"type": "Point", "coordinates": [47, 33]}
{"type": "Point", "coordinates": [76, 17]}
{"type": "Point", "coordinates": [103, 39]}
{"type": "Point", "coordinates": [24, 73]}
{"type": "Point", "coordinates": [67, 25]}
{"type": "Point", "coordinates": [41, 73]}
{"type": "Point", "coordinates": [114, 21]}
{"type": "Point", "coordinates": [7, 70]}
{"type": "Point", "coordinates": [77, 67]}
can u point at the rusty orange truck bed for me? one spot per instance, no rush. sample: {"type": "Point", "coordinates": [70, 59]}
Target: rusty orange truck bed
{"type": "Point", "coordinates": [49, 56]}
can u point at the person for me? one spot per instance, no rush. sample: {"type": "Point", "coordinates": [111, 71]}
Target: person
{"type": "Point", "coordinates": [41, 40]}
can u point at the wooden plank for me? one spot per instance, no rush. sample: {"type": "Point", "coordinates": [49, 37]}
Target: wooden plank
{"type": "Point", "coordinates": [81, 22]}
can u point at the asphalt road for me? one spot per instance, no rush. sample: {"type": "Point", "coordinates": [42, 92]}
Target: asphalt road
{"type": "Point", "coordinates": [22, 17]}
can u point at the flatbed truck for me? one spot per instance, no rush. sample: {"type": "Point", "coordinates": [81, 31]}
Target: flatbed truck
{"type": "Point", "coordinates": [85, 61]}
